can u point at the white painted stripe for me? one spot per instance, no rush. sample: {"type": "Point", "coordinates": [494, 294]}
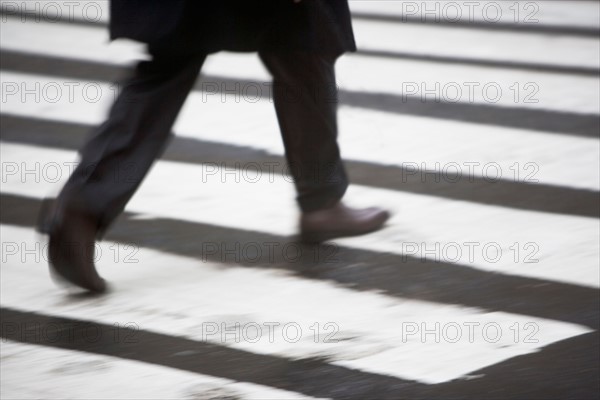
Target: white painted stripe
{"type": "Point", "coordinates": [187, 297]}
{"type": "Point", "coordinates": [91, 11]}
{"type": "Point", "coordinates": [456, 42]}
{"type": "Point", "coordinates": [545, 243]}
{"type": "Point", "coordinates": [466, 84]}
{"type": "Point", "coordinates": [547, 13]}
{"type": "Point", "coordinates": [65, 40]}
{"type": "Point", "coordinates": [371, 136]}
{"type": "Point", "coordinates": [494, 87]}
{"type": "Point", "coordinates": [30, 371]}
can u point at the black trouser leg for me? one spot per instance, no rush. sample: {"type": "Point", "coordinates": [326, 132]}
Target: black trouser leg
{"type": "Point", "coordinates": [119, 154]}
{"type": "Point", "coordinates": [305, 96]}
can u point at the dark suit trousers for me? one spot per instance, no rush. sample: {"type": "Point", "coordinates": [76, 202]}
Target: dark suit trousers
{"type": "Point", "coordinates": [118, 155]}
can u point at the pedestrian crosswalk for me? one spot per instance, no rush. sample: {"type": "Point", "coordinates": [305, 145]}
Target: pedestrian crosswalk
{"type": "Point", "coordinates": [489, 264]}
{"type": "Point", "coordinates": [369, 331]}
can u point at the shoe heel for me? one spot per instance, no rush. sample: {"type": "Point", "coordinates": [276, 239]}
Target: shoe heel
{"type": "Point", "coordinates": [46, 220]}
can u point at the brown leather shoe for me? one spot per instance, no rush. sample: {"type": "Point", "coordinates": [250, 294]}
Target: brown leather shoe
{"type": "Point", "coordinates": [71, 247]}
{"type": "Point", "coordinates": [340, 221]}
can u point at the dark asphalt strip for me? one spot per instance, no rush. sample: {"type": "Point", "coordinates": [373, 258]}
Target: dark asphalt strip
{"type": "Point", "coordinates": [429, 21]}
{"type": "Point", "coordinates": [478, 62]}
{"type": "Point", "coordinates": [504, 193]}
{"type": "Point", "coordinates": [585, 125]}
{"type": "Point", "coordinates": [391, 274]}
{"type": "Point", "coordinates": [312, 377]}
{"type": "Point", "coordinates": [561, 122]}
{"type": "Point", "coordinates": [568, 369]}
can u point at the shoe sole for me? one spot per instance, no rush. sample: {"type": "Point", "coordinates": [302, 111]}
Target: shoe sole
{"type": "Point", "coordinates": [320, 237]}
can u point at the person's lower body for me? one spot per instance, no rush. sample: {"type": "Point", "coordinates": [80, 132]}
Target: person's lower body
{"type": "Point", "coordinates": [114, 161]}
{"type": "Point", "coordinates": [305, 97]}
{"type": "Point", "coordinates": [117, 157]}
